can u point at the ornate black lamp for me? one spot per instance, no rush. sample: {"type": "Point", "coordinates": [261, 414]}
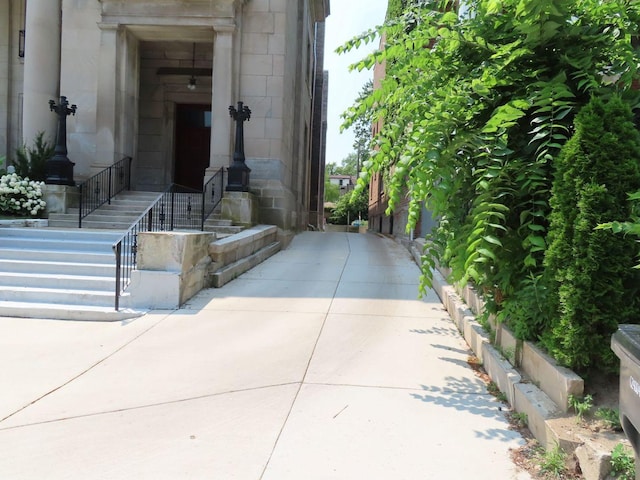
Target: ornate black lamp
{"type": "Point", "coordinates": [59, 169]}
{"type": "Point", "coordinates": [238, 173]}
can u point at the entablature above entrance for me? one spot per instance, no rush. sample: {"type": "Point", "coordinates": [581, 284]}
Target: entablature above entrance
{"type": "Point", "coordinates": [164, 12]}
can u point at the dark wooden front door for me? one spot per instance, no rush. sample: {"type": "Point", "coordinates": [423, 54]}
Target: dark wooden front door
{"type": "Point", "coordinates": [193, 137]}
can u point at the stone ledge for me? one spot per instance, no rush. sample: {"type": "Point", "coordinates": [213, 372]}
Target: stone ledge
{"type": "Point", "coordinates": [230, 272]}
{"type": "Point", "coordinates": [557, 382]}
{"type": "Point", "coordinates": [539, 408]}
{"type": "Point", "coordinates": [236, 247]}
{"type": "Point", "coordinates": [500, 371]}
{"type": "Point", "coordinates": [546, 420]}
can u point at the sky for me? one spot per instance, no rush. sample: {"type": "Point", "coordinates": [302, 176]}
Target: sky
{"type": "Point", "coordinates": [348, 18]}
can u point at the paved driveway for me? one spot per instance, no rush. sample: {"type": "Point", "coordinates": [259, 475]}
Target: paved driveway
{"type": "Point", "coordinates": [321, 363]}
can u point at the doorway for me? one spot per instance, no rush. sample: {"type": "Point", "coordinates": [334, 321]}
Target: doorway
{"type": "Point", "coordinates": [192, 144]}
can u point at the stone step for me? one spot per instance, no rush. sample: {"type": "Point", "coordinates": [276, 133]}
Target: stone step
{"type": "Point", "coordinates": [55, 245]}
{"type": "Point", "coordinates": [224, 230]}
{"type": "Point", "coordinates": [23, 264]}
{"type": "Point", "coordinates": [61, 234]}
{"type": "Point", "coordinates": [57, 296]}
{"type": "Point", "coordinates": [68, 256]}
{"type": "Point", "coordinates": [66, 312]}
{"type": "Point", "coordinates": [217, 222]}
{"type": "Point", "coordinates": [55, 280]}
{"type": "Point", "coordinates": [59, 273]}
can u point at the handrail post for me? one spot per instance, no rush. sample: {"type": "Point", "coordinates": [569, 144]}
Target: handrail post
{"type": "Point", "coordinates": [118, 252]}
{"type": "Point", "coordinates": [171, 210]}
{"type": "Point", "coordinates": [204, 198]}
{"type": "Point", "coordinates": [80, 187]}
{"type": "Point", "coordinates": [109, 188]}
{"type": "Point", "coordinates": [129, 161]}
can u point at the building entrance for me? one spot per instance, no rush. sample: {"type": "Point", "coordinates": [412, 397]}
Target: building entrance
{"type": "Point", "coordinates": [192, 144]}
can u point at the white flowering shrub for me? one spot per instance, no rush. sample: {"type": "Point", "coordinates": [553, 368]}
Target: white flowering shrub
{"type": "Point", "coordinates": [20, 196]}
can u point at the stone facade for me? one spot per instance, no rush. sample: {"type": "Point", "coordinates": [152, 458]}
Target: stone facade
{"type": "Point", "coordinates": [127, 65]}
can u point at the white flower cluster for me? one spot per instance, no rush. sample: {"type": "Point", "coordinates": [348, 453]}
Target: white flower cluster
{"type": "Point", "coordinates": [20, 196]}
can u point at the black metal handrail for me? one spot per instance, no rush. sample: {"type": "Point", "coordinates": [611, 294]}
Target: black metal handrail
{"type": "Point", "coordinates": [178, 207]}
{"type": "Point", "coordinates": [103, 186]}
{"type": "Point", "coordinates": [212, 194]}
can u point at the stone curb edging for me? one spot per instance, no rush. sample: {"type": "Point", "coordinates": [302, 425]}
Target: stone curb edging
{"type": "Point", "coordinates": [545, 418]}
{"type": "Point", "coordinates": [25, 222]}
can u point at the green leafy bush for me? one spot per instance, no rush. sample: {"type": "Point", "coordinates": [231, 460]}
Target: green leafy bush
{"type": "Point", "coordinates": [591, 269]}
{"type": "Point", "coordinates": [20, 196]}
{"type": "Point", "coordinates": [31, 161]}
{"type": "Point", "coordinates": [350, 207]}
{"type": "Point", "coordinates": [631, 227]}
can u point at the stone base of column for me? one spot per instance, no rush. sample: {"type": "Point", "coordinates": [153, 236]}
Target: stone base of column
{"type": "Point", "coordinates": [240, 207]}
{"type": "Point", "coordinates": [60, 198]}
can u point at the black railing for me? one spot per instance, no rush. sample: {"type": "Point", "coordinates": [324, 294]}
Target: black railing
{"type": "Point", "coordinates": [212, 194]}
{"type": "Point", "coordinates": [177, 208]}
{"type": "Point", "coordinates": [103, 186]}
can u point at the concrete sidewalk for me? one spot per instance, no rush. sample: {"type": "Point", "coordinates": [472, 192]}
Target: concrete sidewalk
{"type": "Point", "coordinates": [321, 363]}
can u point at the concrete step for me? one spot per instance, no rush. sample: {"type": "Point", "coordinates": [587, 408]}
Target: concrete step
{"type": "Point", "coordinates": [54, 245]}
{"type": "Point", "coordinates": [58, 296]}
{"type": "Point", "coordinates": [62, 234]}
{"type": "Point", "coordinates": [66, 312]}
{"type": "Point", "coordinates": [89, 223]}
{"type": "Point", "coordinates": [60, 274]}
{"type": "Point", "coordinates": [41, 257]}
{"type": "Point", "coordinates": [55, 280]}
{"type": "Point", "coordinates": [217, 222]}
{"type": "Point", "coordinates": [22, 265]}
{"type": "Point", "coordinates": [224, 230]}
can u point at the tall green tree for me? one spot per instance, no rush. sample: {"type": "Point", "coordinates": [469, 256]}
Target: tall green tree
{"type": "Point", "coordinates": [351, 206]}
{"type": "Point", "coordinates": [362, 123]}
{"type": "Point", "coordinates": [594, 284]}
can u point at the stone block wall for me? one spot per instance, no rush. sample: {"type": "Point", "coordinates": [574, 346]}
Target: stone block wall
{"type": "Point", "coordinates": [172, 267]}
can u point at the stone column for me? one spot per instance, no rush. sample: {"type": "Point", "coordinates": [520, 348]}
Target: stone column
{"type": "Point", "coordinates": [107, 97]}
{"type": "Point", "coordinates": [7, 61]}
{"type": "Point", "coordinates": [41, 68]}
{"type": "Point", "coordinates": [221, 99]}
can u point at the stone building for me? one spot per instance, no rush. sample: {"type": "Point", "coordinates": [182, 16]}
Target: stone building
{"type": "Point", "coordinates": [153, 80]}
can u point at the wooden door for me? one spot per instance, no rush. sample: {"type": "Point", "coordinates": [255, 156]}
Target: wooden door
{"type": "Point", "coordinates": [192, 144]}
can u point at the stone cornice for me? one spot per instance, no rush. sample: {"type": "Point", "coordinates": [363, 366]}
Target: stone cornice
{"type": "Point", "coordinates": [170, 8]}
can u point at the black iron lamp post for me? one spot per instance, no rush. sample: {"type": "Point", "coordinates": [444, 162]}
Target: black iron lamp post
{"type": "Point", "coordinates": [59, 169]}
{"type": "Point", "coordinates": [238, 173]}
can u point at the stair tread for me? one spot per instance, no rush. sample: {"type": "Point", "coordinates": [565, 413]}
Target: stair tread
{"type": "Point", "coordinates": [100, 293]}
{"type": "Point", "coordinates": [61, 276]}
{"type": "Point", "coordinates": [61, 311]}
{"type": "Point", "coordinates": [57, 263]}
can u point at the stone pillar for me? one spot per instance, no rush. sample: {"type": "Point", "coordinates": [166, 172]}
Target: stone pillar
{"type": "Point", "coordinates": [41, 68]}
{"type": "Point", "coordinates": [7, 61]}
{"type": "Point", "coordinates": [221, 99]}
{"type": "Point", "coordinates": [107, 97]}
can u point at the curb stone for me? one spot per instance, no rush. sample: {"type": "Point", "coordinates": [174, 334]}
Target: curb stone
{"type": "Point", "coordinates": [545, 418]}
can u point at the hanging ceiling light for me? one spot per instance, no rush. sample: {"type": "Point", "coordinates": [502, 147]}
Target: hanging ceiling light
{"type": "Point", "coordinates": [192, 80]}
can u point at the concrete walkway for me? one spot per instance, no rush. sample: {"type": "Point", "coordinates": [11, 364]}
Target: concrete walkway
{"type": "Point", "coordinates": [319, 364]}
